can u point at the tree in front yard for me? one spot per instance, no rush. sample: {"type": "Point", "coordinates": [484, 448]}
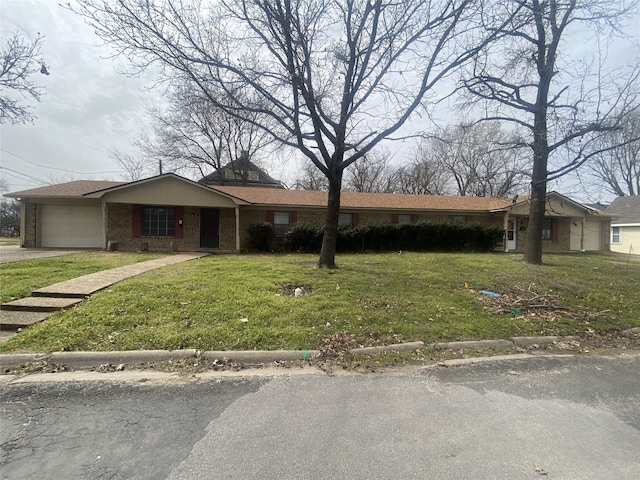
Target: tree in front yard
{"type": "Point", "coordinates": [563, 99]}
{"type": "Point", "coordinates": [334, 78]}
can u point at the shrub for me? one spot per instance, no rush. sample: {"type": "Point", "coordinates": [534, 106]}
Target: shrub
{"type": "Point", "coordinates": [421, 237]}
{"type": "Point", "coordinates": [304, 237]}
{"type": "Point", "coordinates": [259, 234]}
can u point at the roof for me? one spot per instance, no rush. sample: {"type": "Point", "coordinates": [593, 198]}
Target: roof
{"type": "Point", "coordinates": [242, 166]}
{"type": "Point", "coordinates": [77, 188]}
{"type": "Point", "coordinates": [393, 201]}
{"type": "Point", "coordinates": [626, 209]}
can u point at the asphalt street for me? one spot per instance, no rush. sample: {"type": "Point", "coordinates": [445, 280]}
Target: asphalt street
{"type": "Point", "coordinates": [541, 417]}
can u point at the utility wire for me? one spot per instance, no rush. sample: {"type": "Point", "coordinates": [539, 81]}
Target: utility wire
{"type": "Point", "coordinates": [28, 177]}
{"type": "Point", "coordinates": [55, 168]}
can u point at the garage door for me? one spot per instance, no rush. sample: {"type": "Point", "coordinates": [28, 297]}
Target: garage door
{"type": "Point", "coordinates": [592, 236]}
{"type": "Point", "coordinates": [71, 226]}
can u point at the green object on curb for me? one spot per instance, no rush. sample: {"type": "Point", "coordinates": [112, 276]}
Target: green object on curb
{"type": "Point", "coordinates": [517, 311]}
{"type": "Point", "coordinates": [305, 354]}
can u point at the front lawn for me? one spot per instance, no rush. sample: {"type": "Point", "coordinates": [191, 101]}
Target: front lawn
{"type": "Point", "coordinates": [19, 279]}
{"type": "Point", "coordinates": [247, 302]}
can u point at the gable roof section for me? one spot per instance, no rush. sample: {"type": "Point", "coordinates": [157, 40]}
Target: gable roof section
{"type": "Point", "coordinates": [387, 201]}
{"type": "Point", "coordinates": [626, 209]}
{"type": "Point", "coordinates": [241, 165]}
{"type": "Point", "coordinates": [75, 189]}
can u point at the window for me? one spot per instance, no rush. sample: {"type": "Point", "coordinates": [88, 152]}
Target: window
{"type": "Point", "coordinates": [459, 219]}
{"type": "Point", "coordinates": [546, 229]}
{"type": "Point", "coordinates": [280, 223]}
{"type": "Point", "coordinates": [157, 221]}
{"type": "Point", "coordinates": [404, 218]}
{"type": "Point", "coordinates": [345, 219]}
{"type": "Point", "coordinates": [233, 175]}
{"type": "Point", "coordinates": [616, 235]}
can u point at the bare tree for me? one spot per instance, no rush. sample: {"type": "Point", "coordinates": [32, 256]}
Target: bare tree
{"type": "Point", "coordinates": [134, 167]}
{"type": "Point", "coordinates": [422, 177]}
{"type": "Point", "coordinates": [371, 173]}
{"type": "Point", "coordinates": [618, 168]}
{"type": "Point", "coordinates": [562, 104]}
{"type": "Point", "coordinates": [193, 135]}
{"type": "Point", "coordinates": [337, 76]}
{"type": "Point", "coordinates": [476, 160]}
{"type": "Point", "coordinates": [20, 61]}
{"type": "Point", "coordinates": [311, 179]}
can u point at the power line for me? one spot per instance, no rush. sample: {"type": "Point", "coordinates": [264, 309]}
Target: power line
{"type": "Point", "coordinates": [55, 168]}
{"type": "Point", "coordinates": [28, 177]}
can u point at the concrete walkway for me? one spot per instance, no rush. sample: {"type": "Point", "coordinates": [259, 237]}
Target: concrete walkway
{"type": "Point", "coordinates": [27, 311]}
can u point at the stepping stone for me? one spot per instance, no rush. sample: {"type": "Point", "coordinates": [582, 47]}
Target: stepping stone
{"type": "Point", "coordinates": [40, 304]}
{"type": "Point", "coordinates": [13, 320]}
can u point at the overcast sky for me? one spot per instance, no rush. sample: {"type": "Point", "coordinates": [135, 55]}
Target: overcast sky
{"type": "Point", "coordinates": [89, 108]}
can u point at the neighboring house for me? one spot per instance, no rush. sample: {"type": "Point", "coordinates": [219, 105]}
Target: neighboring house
{"type": "Point", "coordinates": [241, 172]}
{"type": "Point", "coordinates": [625, 228]}
{"type": "Point", "coordinates": [168, 212]}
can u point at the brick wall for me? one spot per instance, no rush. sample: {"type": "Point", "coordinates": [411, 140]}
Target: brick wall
{"type": "Point", "coordinates": [28, 231]}
{"type": "Point", "coordinates": [120, 230]}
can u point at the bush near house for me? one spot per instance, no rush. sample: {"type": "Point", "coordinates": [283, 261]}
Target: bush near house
{"type": "Point", "coordinates": [259, 234]}
{"type": "Point", "coordinates": [418, 237]}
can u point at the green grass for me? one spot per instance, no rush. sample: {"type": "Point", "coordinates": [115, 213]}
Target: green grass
{"type": "Point", "coordinates": [19, 279]}
{"type": "Point", "coordinates": [9, 241]}
{"type": "Point", "coordinates": [381, 299]}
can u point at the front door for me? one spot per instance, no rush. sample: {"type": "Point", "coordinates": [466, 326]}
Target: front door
{"type": "Point", "coordinates": [209, 228]}
{"type": "Point", "coordinates": [511, 235]}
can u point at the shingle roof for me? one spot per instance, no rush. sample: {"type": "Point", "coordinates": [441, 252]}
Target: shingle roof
{"type": "Point", "coordinates": [627, 209]}
{"type": "Point", "coordinates": [77, 188]}
{"type": "Point", "coordinates": [309, 198]}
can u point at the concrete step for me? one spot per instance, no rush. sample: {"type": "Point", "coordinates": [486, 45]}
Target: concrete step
{"type": "Point", "coordinates": [40, 304]}
{"type": "Point", "coordinates": [13, 320]}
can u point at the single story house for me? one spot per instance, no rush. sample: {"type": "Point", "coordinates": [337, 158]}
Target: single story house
{"type": "Point", "coordinates": [625, 228]}
{"type": "Point", "coordinates": [170, 213]}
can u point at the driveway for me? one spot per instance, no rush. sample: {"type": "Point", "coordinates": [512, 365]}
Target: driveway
{"type": "Point", "coordinates": [9, 254]}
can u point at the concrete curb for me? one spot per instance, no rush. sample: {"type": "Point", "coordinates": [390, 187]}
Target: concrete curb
{"type": "Point", "coordinates": [92, 359]}
{"type": "Point", "coordinates": [474, 344]}
{"type": "Point", "coordinates": [136, 357]}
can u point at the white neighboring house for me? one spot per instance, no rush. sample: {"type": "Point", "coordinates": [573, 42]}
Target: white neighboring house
{"type": "Point", "coordinates": [625, 228]}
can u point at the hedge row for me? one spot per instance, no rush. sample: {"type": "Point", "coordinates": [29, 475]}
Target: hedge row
{"type": "Point", "coordinates": [423, 236]}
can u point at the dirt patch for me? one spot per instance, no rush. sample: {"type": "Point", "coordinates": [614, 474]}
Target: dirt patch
{"type": "Point", "coordinates": [295, 289]}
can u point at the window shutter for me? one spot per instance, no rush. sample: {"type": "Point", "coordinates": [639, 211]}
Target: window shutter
{"type": "Point", "coordinates": [355, 218]}
{"type": "Point", "coordinates": [137, 221]}
{"type": "Point", "coordinates": [394, 218]}
{"type": "Point", "coordinates": [269, 216]}
{"type": "Point", "coordinates": [178, 216]}
{"type": "Point", "coordinates": [293, 217]}
{"type": "Point", "coordinates": [414, 217]}
{"type": "Point", "coordinates": [469, 219]}
{"type": "Point", "coordinates": [554, 230]}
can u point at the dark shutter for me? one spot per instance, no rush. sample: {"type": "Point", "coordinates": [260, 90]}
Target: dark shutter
{"type": "Point", "coordinates": [178, 222]}
{"type": "Point", "coordinates": [414, 217]}
{"type": "Point", "coordinates": [269, 217]}
{"type": "Point", "coordinates": [394, 218]}
{"type": "Point", "coordinates": [355, 218]}
{"type": "Point", "coordinates": [137, 221]}
{"type": "Point", "coordinates": [293, 217]}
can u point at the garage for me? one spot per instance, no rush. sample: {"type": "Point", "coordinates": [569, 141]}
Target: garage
{"type": "Point", "coordinates": [71, 226]}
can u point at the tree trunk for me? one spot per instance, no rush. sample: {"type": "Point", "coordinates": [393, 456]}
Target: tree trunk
{"type": "Point", "coordinates": [330, 237]}
{"type": "Point", "coordinates": [533, 250]}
